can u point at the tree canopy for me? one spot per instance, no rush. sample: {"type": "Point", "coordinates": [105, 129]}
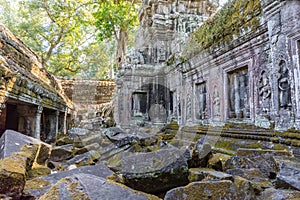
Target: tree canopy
{"type": "Point", "coordinates": [115, 18]}
{"type": "Point", "coordinates": [63, 32]}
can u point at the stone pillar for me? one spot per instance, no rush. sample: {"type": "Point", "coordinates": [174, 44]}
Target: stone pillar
{"type": "Point", "coordinates": [38, 122]}
{"type": "Point", "coordinates": [56, 123]}
{"type": "Point", "coordinates": [236, 95]}
{"type": "Point", "coordinates": [65, 120]}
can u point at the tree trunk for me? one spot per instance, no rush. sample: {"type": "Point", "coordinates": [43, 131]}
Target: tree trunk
{"type": "Point", "coordinates": [121, 47]}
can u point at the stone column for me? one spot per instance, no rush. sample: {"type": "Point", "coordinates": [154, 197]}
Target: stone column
{"type": "Point", "coordinates": [38, 122]}
{"type": "Point", "coordinates": [56, 123]}
{"type": "Point", "coordinates": [236, 96]}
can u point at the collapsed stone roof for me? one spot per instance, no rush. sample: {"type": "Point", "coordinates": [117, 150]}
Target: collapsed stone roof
{"type": "Point", "coordinates": [24, 78]}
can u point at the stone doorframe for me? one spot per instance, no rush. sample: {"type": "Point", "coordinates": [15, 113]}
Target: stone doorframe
{"type": "Point", "coordinates": [230, 68]}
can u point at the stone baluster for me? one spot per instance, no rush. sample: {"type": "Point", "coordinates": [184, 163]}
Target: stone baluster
{"type": "Point", "coordinates": [38, 122]}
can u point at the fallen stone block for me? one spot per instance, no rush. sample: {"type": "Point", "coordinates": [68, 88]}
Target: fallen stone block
{"type": "Point", "coordinates": [213, 190]}
{"type": "Point", "coordinates": [38, 186]}
{"type": "Point", "coordinates": [93, 146]}
{"type": "Point", "coordinates": [217, 162]}
{"type": "Point", "coordinates": [12, 141]}
{"type": "Point", "coordinates": [61, 153]}
{"type": "Point", "coordinates": [87, 158]}
{"type": "Point", "coordinates": [155, 172]}
{"type": "Point", "coordinates": [199, 174]}
{"type": "Point", "coordinates": [259, 152]}
{"type": "Point", "coordinates": [273, 194]}
{"type": "Point", "coordinates": [288, 176]}
{"type": "Point", "coordinates": [13, 175]}
{"type": "Point", "coordinates": [87, 186]}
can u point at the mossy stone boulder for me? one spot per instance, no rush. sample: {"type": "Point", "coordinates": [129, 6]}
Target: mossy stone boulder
{"type": "Point", "coordinates": [204, 190]}
{"type": "Point", "coordinates": [87, 186]}
{"type": "Point", "coordinates": [155, 172]}
{"type": "Point", "coordinates": [13, 175]}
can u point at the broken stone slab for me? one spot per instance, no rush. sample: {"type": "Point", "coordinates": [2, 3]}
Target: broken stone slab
{"type": "Point", "coordinates": [111, 150]}
{"type": "Point", "coordinates": [93, 146]}
{"type": "Point", "coordinates": [112, 131]}
{"type": "Point", "coordinates": [288, 176]}
{"type": "Point", "coordinates": [147, 139]}
{"type": "Point", "coordinates": [204, 190]}
{"type": "Point", "coordinates": [275, 194]}
{"type": "Point", "coordinates": [155, 172]}
{"type": "Point", "coordinates": [87, 186]}
{"type": "Point", "coordinates": [200, 174]}
{"type": "Point", "coordinates": [96, 137]}
{"type": "Point", "coordinates": [217, 162]}
{"type": "Point", "coordinates": [199, 156]}
{"type": "Point", "coordinates": [38, 186]}
{"type": "Point", "coordinates": [244, 188]}
{"type": "Point", "coordinates": [12, 141]}
{"type": "Point", "coordinates": [255, 176]}
{"type": "Point", "coordinates": [260, 152]}
{"type": "Point", "coordinates": [239, 162]}
{"type": "Point", "coordinates": [61, 153]}
{"type": "Point", "coordinates": [265, 162]}
{"type": "Point", "coordinates": [78, 132]}
{"type": "Point", "coordinates": [13, 175]}
{"type": "Point", "coordinates": [87, 158]}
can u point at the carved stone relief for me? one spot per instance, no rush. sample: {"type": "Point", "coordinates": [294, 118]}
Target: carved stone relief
{"type": "Point", "coordinates": [216, 103]}
{"type": "Point", "coordinates": [264, 92]}
{"type": "Point", "coordinates": [284, 86]}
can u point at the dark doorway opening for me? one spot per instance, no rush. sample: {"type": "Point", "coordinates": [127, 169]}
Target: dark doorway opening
{"type": "Point", "coordinates": [11, 117]}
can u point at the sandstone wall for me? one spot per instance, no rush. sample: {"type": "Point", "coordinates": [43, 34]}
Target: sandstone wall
{"type": "Point", "coordinates": [247, 70]}
{"type": "Point", "coordinates": [89, 96]}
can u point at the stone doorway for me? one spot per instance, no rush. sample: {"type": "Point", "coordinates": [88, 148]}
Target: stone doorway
{"type": "Point", "coordinates": [239, 94]}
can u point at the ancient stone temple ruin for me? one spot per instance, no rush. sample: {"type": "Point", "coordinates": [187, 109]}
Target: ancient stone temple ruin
{"type": "Point", "coordinates": [90, 97]}
{"type": "Point", "coordinates": [247, 72]}
{"type": "Point", "coordinates": [32, 101]}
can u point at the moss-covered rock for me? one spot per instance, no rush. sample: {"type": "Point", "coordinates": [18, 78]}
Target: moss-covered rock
{"type": "Point", "coordinates": [13, 175]}
{"type": "Point", "coordinates": [218, 161]}
{"type": "Point", "coordinates": [86, 186]}
{"type": "Point", "coordinates": [200, 174]}
{"type": "Point", "coordinates": [38, 170]}
{"type": "Point", "coordinates": [204, 190]}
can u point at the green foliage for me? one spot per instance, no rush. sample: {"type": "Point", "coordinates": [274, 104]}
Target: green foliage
{"type": "Point", "coordinates": [112, 16]}
{"type": "Point", "coordinates": [62, 33]}
{"type": "Point", "coordinates": [235, 19]}
{"type": "Point", "coordinates": [114, 19]}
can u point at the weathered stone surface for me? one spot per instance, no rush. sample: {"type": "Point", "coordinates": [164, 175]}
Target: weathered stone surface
{"type": "Point", "coordinates": [94, 146]}
{"type": "Point", "coordinates": [87, 158]}
{"type": "Point", "coordinates": [13, 175]}
{"type": "Point", "coordinates": [155, 171]}
{"type": "Point", "coordinates": [38, 186]}
{"type": "Point", "coordinates": [87, 186]}
{"type": "Point", "coordinates": [78, 132]}
{"type": "Point", "coordinates": [60, 153]}
{"type": "Point", "coordinates": [218, 161]}
{"type": "Point", "coordinates": [112, 131]}
{"type": "Point", "coordinates": [12, 141]}
{"type": "Point", "coordinates": [82, 141]}
{"type": "Point", "coordinates": [260, 152]}
{"type": "Point", "coordinates": [38, 170]}
{"type": "Point", "coordinates": [239, 162]}
{"type": "Point", "coordinates": [200, 154]}
{"type": "Point", "coordinates": [213, 190]}
{"type": "Point", "coordinates": [200, 174]}
{"type": "Point", "coordinates": [255, 176]}
{"type": "Point", "coordinates": [289, 176]}
{"type": "Point", "coordinates": [273, 194]}
{"type": "Point", "coordinates": [244, 188]}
